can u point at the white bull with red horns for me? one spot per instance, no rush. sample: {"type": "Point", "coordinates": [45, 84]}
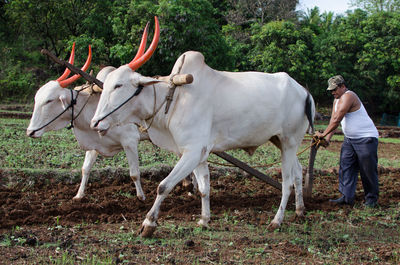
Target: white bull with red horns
{"type": "Point", "coordinates": [56, 106]}
{"type": "Point", "coordinates": [217, 112]}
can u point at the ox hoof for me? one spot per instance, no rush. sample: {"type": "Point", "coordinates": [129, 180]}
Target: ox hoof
{"type": "Point", "coordinates": [77, 199]}
{"type": "Point", "coordinates": [300, 212]}
{"type": "Point", "coordinates": [203, 223]}
{"type": "Point", "coordinates": [147, 231]}
{"type": "Point", "coordinates": [191, 195]}
{"type": "Point", "coordinates": [298, 218]}
{"type": "Point", "coordinates": [141, 198]}
{"type": "Point", "coordinates": [273, 226]}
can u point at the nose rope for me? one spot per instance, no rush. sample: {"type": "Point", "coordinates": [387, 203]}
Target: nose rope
{"type": "Point", "coordinates": [84, 105]}
{"type": "Point", "coordinates": [71, 105]}
{"type": "Point", "coordinates": [137, 92]}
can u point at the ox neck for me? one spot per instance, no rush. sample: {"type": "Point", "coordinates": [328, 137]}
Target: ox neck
{"type": "Point", "coordinates": [157, 95]}
{"type": "Point", "coordinates": [137, 92]}
{"type": "Point", "coordinates": [84, 109]}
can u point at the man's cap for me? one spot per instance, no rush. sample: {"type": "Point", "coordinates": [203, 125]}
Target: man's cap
{"type": "Point", "coordinates": [334, 82]}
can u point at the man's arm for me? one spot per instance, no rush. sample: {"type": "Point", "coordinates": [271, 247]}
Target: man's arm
{"type": "Point", "coordinates": [343, 107]}
{"type": "Point", "coordinates": [329, 135]}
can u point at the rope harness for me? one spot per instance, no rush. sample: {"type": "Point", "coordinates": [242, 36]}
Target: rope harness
{"type": "Point", "coordinates": [167, 101]}
{"type": "Point", "coordinates": [71, 105]}
{"type": "Point", "coordinates": [155, 111]}
{"type": "Point", "coordinates": [137, 92]}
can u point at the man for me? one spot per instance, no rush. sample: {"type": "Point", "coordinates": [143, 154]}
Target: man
{"type": "Point", "coordinates": [360, 144]}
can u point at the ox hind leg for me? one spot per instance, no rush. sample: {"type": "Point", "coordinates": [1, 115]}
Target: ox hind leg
{"type": "Point", "coordinates": [186, 164]}
{"type": "Point", "coordinates": [90, 158]}
{"type": "Point", "coordinates": [291, 175]}
{"type": "Point", "coordinates": [298, 187]}
{"type": "Point", "coordinates": [298, 180]}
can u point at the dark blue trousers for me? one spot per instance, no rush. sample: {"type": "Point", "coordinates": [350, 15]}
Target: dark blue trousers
{"type": "Point", "coordinates": [359, 156]}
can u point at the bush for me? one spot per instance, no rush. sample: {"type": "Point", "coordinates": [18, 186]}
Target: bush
{"type": "Point", "coordinates": [16, 85]}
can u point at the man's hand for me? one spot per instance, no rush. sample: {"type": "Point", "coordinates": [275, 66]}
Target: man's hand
{"type": "Point", "coordinates": [318, 135]}
{"type": "Point", "coordinates": [321, 141]}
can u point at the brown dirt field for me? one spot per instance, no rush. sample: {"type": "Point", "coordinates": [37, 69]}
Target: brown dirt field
{"type": "Point", "coordinates": [42, 207]}
{"type": "Point", "coordinates": [113, 201]}
{"type": "Point", "coordinates": [111, 204]}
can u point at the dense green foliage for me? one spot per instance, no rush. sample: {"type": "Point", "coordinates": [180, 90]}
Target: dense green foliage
{"type": "Point", "coordinates": [362, 45]}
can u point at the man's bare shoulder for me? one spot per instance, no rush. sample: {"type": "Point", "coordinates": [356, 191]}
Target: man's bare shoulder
{"type": "Point", "coordinates": [351, 99]}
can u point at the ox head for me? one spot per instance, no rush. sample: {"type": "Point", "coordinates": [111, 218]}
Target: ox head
{"type": "Point", "coordinates": [123, 85]}
{"type": "Point", "coordinates": [52, 99]}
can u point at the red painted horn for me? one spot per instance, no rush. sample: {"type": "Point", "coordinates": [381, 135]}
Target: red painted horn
{"type": "Point", "coordinates": [71, 61]}
{"type": "Point", "coordinates": [136, 63]}
{"type": "Point", "coordinates": [65, 83]}
{"type": "Point", "coordinates": [143, 42]}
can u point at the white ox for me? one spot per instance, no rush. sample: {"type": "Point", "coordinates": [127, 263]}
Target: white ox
{"type": "Point", "coordinates": [53, 98]}
{"type": "Point", "coordinates": [217, 112]}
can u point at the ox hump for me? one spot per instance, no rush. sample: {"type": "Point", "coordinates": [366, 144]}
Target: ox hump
{"type": "Point", "coordinates": [191, 60]}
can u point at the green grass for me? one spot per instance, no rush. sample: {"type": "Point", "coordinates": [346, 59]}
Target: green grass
{"type": "Point", "coordinates": [60, 150]}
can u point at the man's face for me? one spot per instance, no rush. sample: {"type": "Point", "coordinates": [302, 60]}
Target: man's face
{"type": "Point", "coordinates": [338, 91]}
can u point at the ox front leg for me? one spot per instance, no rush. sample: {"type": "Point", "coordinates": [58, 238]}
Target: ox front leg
{"type": "Point", "coordinates": [288, 167]}
{"type": "Point", "coordinates": [188, 162]}
{"type": "Point", "coordinates": [90, 158]}
{"type": "Point", "coordinates": [133, 161]}
{"type": "Point", "coordinates": [202, 175]}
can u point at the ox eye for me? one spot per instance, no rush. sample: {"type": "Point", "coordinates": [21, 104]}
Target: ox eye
{"type": "Point", "coordinates": [117, 86]}
{"type": "Point", "coordinates": [48, 101]}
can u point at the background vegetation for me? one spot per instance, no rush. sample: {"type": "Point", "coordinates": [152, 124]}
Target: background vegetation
{"type": "Point", "coordinates": [236, 35]}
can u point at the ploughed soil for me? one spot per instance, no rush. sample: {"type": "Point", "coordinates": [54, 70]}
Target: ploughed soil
{"type": "Point", "coordinates": [52, 222]}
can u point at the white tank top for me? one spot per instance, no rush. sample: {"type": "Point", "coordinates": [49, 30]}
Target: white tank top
{"type": "Point", "coordinates": [358, 124]}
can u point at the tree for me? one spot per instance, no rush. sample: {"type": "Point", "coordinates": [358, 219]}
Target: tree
{"type": "Point", "coordinates": [317, 22]}
{"type": "Point", "coordinates": [282, 46]}
{"type": "Point", "coordinates": [373, 6]}
{"type": "Point", "coordinates": [185, 25]}
{"type": "Point", "coordinates": [262, 11]}
{"type": "Point", "coordinates": [378, 62]}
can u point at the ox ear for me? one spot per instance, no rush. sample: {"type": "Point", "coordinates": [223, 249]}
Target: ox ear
{"type": "Point", "coordinates": [64, 100]}
{"type": "Point", "coordinates": [146, 81]}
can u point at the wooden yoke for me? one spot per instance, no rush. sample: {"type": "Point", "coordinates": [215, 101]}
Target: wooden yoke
{"type": "Point", "coordinates": [73, 68]}
{"type": "Point", "coordinates": [178, 80]}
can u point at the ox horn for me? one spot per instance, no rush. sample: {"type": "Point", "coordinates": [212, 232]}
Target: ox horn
{"type": "Point", "coordinates": [143, 42]}
{"type": "Point", "coordinates": [141, 59]}
{"type": "Point", "coordinates": [139, 53]}
{"type": "Point", "coordinates": [67, 82]}
{"type": "Point", "coordinates": [97, 89]}
{"type": "Point", "coordinates": [71, 61]}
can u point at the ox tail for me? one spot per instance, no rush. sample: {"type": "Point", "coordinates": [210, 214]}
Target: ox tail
{"type": "Point", "coordinates": [310, 113]}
